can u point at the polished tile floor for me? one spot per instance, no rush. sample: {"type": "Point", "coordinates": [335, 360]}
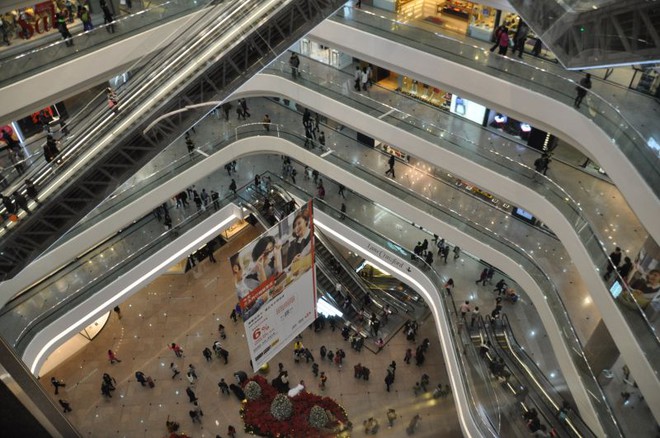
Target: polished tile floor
{"type": "Point", "coordinates": [592, 192]}
{"type": "Point", "coordinates": [528, 326]}
{"type": "Point", "coordinates": [187, 309]}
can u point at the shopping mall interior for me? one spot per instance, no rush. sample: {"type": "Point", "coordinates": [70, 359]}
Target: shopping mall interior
{"type": "Point", "coordinates": [316, 218]}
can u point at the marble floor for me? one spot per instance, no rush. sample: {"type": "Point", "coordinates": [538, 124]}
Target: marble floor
{"type": "Point", "coordinates": [526, 323]}
{"type": "Point", "coordinates": [186, 309]}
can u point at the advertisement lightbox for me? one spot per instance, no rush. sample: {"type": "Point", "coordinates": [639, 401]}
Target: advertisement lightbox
{"type": "Point", "coordinates": [467, 109]}
{"type": "Point", "coordinates": [275, 284]}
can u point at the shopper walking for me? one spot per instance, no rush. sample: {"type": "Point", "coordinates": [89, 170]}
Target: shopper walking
{"type": "Point", "coordinates": [391, 416]}
{"type": "Point", "coordinates": [192, 398]}
{"type": "Point", "coordinates": [356, 78]}
{"type": "Point", "coordinates": [57, 384]}
{"type": "Point", "coordinates": [243, 103]}
{"type": "Point", "coordinates": [176, 348]}
{"type": "Point", "coordinates": [583, 86]}
{"type": "Point", "coordinates": [266, 122]}
{"type": "Point", "coordinates": [408, 356]}
{"type": "Point", "coordinates": [174, 369]}
{"type": "Point", "coordinates": [390, 163]}
{"type": "Point", "coordinates": [294, 63]}
{"type": "Point", "coordinates": [474, 316]}
{"type": "Point", "coordinates": [65, 405]}
{"type": "Point", "coordinates": [389, 380]}
{"type": "Point", "coordinates": [498, 32]}
{"type": "Point", "coordinates": [483, 277]}
{"type": "Point", "coordinates": [112, 357]}
{"type": "Point", "coordinates": [232, 186]}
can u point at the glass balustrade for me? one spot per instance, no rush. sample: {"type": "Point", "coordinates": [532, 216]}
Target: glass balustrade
{"type": "Point", "coordinates": [95, 131]}
{"type": "Point", "coordinates": [385, 236]}
{"type": "Point", "coordinates": [435, 209]}
{"type": "Point", "coordinates": [605, 115]}
{"type": "Point", "coordinates": [52, 54]}
{"type": "Point", "coordinates": [503, 165]}
{"type": "Point", "coordinates": [22, 318]}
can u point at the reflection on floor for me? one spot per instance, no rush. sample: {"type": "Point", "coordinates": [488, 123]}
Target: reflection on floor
{"type": "Point", "coordinates": [187, 309]}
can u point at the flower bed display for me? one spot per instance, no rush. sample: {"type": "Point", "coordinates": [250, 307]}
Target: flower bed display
{"type": "Point", "coordinates": [260, 421]}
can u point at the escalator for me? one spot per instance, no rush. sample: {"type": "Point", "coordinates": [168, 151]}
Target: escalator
{"type": "Point", "coordinates": [52, 51]}
{"type": "Point", "coordinates": [402, 194]}
{"type": "Point", "coordinates": [271, 206]}
{"type": "Point", "coordinates": [542, 394]}
{"type": "Point", "coordinates": [474, 73]}
{"type": "Point", "coordinates": [103, 155]}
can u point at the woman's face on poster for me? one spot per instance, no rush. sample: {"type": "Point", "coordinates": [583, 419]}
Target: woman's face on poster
{"type": "Point", "coordinates": [300, 227]}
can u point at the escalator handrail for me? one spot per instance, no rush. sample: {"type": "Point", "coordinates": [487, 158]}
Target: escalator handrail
{"type": "Point", "coordinates": [174, 51]}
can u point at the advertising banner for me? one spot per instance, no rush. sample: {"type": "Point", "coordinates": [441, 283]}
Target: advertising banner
{"type": "Point", "coordinates": [275, 283]}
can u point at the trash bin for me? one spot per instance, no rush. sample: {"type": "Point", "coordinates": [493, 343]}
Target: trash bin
{"type": "Point", "coordinates": [605, 377]}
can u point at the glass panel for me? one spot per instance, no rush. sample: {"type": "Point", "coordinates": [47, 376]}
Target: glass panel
{"type": "Point", "coordinates": [51, 54]}
{"type": "Point", "coordinates": [599, 109]}
{"type": "Point", "coordinates": [446, 213]}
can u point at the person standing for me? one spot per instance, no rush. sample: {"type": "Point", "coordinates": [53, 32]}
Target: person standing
{"type": "Point", "coordinates": [117, 310]}
{"type": "Point", "coordinates": [474, 316]}
{"type": "Point", "coordinates": [391, 416]}
{"type": "Point", "coordinates": [65, 405]}
{"type": "Point", "coordinates": [356, 78]}
{"type": "Point", "coordinates": [266, 122]}
{"type": "Point", "coordinates": [294, 63]}
{"type": "Point", "coordinates": [364, 78]}
{"type": "Point", "coordinates": [390, 163]}
{"type": "Point", "coordinates": [108, 19]}
{"type": "Point", "coordinates": [583, 86]}
{"type": "Point", "coordinates": [342, 210]}
{"type": "Point", "coordinates": [21, 202]}
{"type": "Point", "coordinates": [224, 388]}
{"type": "Point", "coordinates": [520, 38]}
{"type": "Point", "coordinates": [86, 19]}
{"type": "Point", "coordinates": [615, 261]}
{"type": "Point", "coordinates": [64, 30]}
{"type": "Point", "coordinates": [323, 378]}
{"type": "Point", "coordinates": [231, 431]}
{"type": "Point", "coordinates": [191, 146]}
{"type": "Point", "coordinates": [457, 252]}
{"type": "Point", "coordinates": [226, 107]}
{"type": "Point", "coordinates": [389, 380]}
{"type": "Point", "coordinates": [232, 186]}
{"type": "Point", "coordinates": [141, 378]}
{"type": "Point", "coordinates": [625, 269]}
{"type": "Point", "coordinates": [3, 30]}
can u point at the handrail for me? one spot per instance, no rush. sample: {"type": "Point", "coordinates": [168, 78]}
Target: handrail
{"type": "Point", "coordinates": [50, 51]}
{"type": "Point", "coordinates": [609, 118]}
{"type": "Point", "coordinates": [99, 124]}
{"type": "Point", "coordinates": [498, 163]}
{"type": "Point", "coordinates": [527, 364]}
{"type": "Point", "coordinates": [464, 223]}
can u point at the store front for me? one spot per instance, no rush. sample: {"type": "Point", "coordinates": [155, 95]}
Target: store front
{"type": "Point", "coordinates": [472, 19]}
{"type": "Point", "coordinates": [25, 26]}
{"type": "Point", "coordinates": [323, 54]}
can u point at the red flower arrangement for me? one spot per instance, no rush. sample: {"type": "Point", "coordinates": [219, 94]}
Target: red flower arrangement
{"type": "Point", "coordinates": [259, 421]}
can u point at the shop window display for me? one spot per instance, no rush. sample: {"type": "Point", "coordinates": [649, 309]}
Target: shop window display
{"type": "Point", "coordinates": [482, 22]}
